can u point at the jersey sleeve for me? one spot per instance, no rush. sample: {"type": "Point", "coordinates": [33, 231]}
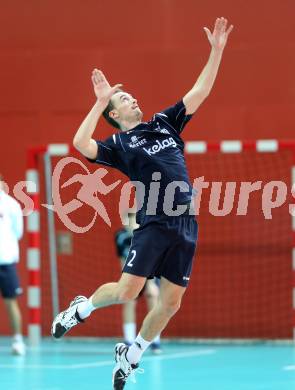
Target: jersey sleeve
{"type": "Point", "coordinates": [175, 116]}
{"type": "Point", "coordinates": [106, 152]}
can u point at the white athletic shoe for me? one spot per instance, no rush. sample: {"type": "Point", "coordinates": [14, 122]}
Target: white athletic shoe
{"type": "Point", "coordinates": [68, 318]}
{"type": "Point", "coordinates": [123, 368]}
{"type": "Point", "coordinates": [18, 348]}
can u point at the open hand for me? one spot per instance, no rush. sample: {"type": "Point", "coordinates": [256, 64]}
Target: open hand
{"type": "Point", "coordinates": [102, 88]}
{"type": "Point", "coordinates": [218, 37]}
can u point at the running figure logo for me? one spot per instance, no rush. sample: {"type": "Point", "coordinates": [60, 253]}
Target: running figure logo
{"type": "Point", "coordinates": [91, 186]}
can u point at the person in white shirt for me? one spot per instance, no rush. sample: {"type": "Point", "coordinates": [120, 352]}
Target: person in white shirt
{"type": "Point", "coordinates": [11, 231]}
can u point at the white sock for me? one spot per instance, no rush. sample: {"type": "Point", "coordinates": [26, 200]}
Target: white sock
{"type": "Point", "coordinates": [18, 337]}
{"type": "Point", "coordinates": [137, 349]}
{"type": "Point", "coordinates": [129, 330]}
{"type": "Point", "coordinates": [85, 308]}
{"type": "Point", "coordinates": [157, 339]}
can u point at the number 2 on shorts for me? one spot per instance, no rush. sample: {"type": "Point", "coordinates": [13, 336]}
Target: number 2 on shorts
{"type": "Point", "coordinates": [130, 262]}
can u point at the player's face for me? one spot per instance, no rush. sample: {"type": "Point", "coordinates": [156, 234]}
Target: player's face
{"type": "Point", "coordinates": [126, 108]}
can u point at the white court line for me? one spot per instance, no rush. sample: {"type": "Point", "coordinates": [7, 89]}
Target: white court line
{"type": "Point", "coordinates": [289, 368]}
{"type": "Point", "coordinates": [201, 352]}
{"type": "Point", "coordinates": [179, 355]}
{"type": "Point", "coordinates": [61, 350]}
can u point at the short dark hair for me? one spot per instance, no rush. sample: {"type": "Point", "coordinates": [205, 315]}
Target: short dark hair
{"type": "Point", "coordinates": [107, 111]}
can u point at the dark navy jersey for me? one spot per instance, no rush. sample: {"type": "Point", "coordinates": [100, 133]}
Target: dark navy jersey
{"type": "Point", "coordinates": [123, 238]}
{"type": "Point", "coordinates": [152, 152]}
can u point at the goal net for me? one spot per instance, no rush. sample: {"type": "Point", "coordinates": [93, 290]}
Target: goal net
{"type": "Point", "coordinates": [242, 284]}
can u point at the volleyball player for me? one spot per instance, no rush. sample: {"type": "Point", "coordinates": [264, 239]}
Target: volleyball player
{"type": "Point", "coordinates": [165, 242]}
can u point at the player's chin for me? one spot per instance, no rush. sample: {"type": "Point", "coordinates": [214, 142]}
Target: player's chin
{"type": "Point", "coordinates": [138, 113]}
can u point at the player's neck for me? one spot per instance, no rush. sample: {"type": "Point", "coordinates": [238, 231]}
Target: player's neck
{"type": "Point", "coordinates": [126, 125]}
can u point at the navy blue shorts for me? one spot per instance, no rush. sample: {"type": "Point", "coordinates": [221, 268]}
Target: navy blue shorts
{"type": "Point", "coordinates": [9, 281]}
{"type": "Point", "coordinates": [163, 246]}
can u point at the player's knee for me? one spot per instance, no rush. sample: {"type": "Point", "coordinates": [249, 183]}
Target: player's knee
{"type": "Point", "coordinates": [151, 294]}
{"type": "Point", "coordinates": [171, 306]}
{"type": "Point", "coordinates": [127, 295]}
{"type": "Point", "coordinates": [151, 290]}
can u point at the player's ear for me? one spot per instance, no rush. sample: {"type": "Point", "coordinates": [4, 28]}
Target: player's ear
{"type": "Point", "coordinates": [114, 114]}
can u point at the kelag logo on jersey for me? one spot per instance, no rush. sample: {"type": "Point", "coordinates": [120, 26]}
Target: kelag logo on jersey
{"type": "Point", "coordinates": [136, 141]}
{"type": "Point", "coordinates": [160, 146]}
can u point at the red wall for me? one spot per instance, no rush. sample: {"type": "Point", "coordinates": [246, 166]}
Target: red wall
{"type": "Point", "coordinates": [156, 49]}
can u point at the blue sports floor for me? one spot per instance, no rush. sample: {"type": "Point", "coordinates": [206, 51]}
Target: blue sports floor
{"type": "Point", "coordinates": [69, 365]}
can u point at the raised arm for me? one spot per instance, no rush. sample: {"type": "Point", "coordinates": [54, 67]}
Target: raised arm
{"type": "Point", "coordinates": [195, 97]}
{"type": "Point", "coordinates": [83, 140]}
